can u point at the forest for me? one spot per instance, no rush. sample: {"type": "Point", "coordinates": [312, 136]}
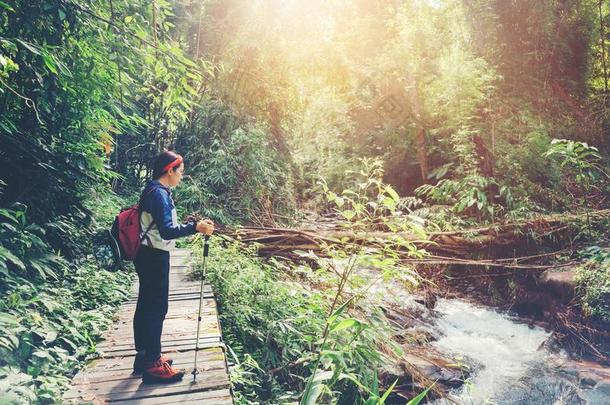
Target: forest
{"type": "Point", "coordinates": [411, 197]}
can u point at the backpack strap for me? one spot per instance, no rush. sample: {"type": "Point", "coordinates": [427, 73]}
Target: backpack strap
{"type": "Point", "coordinates": [144, 195]}
{"type": "Point", "coordinates": [144, 235]}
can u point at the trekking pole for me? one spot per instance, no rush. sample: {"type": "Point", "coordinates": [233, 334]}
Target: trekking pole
{"type": "Point", "coordinates": [206, 249]}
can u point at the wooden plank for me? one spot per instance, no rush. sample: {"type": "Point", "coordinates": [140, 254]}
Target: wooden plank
{"type": "Point", "coordinates": [216, 397]}
{"type": "Point", "coordinates": [124, 364]}
{"type": "Point", "coordinates": [178, 341]}
{"type": "Point", "coordinates": [188, 288]}
{"type": "Point", "coordinates": [180, 277]}
{"type": "Point", "coordinates": [170, 327]}
{"type": "Point", "coordinates": [204, 367]}
{"type": "Point", "coordinates": [168, 341]}
{"type": "Point", "coordinates": [192, 296]}
{"type": "Point", "coordinates": [177, 286]}
{"type": "Point", "coordinates": [191, 302]}
{"type": "Point", "coordinates": [181, 258]}
{"type": "Point", "coordinates": [175, 308]}
{"type": "Point", "coordinates": [134, 387]}
{"type": "Point", "coordinates": [167, 344]}
{"type": "Point", "coordinates": [131, 305]}
{"type": "Point", "coordinates": [180, 289]}
{"type": "Point", "coordinates": [179, 266]}
{"type": "Point", "coordinates": [194, 302]}
{"type": "Point", "coordinates": [188, 321]}
{"type": "Point", "coordinates": [212, 341]}
{"type": "Point", "coordinates": [184, 305]}
{"type": "Point", "coordinates": [127, 389]}
{"type": "Point", "coordinates": [176, 329]}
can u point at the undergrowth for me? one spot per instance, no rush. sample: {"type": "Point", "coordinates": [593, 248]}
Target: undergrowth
{"type": "Point", "coordinates": [273, 327]}
{"type": "Point", "coordinates": [593, 283]}
{"type": "Point", "coordinates": [52, 310]}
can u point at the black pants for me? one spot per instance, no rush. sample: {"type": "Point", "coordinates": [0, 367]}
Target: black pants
{"type": "Point", "coordinates": [152, 266]}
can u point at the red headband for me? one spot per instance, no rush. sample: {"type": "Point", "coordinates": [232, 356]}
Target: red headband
{"type": "Point", "coordinates": [176, 162]}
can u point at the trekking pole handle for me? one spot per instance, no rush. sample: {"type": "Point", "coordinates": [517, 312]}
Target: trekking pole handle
{"type": "Point", "coordinates": [206, 246]}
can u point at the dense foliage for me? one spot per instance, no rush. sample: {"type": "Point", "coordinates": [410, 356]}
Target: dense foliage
{"type": "Point", "coordinates": [593, 282]}
{"type": "Point", "coordinates": [274, 327]}
{"type": "Point", "coordinates": [52, 310]}
{"type": "Point", "coordinates": [234, 174]}
{"type": "Point", "coordinates": [437, 90]}
{"type": "Point", "coordinates": [468, 94]}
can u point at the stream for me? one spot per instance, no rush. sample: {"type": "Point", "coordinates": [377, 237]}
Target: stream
{"type": "Point", "coordinates": [508, 360]}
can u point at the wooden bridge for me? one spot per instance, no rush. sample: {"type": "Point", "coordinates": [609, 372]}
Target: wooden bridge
{"type": "Point", "coordinates": [109, 378]}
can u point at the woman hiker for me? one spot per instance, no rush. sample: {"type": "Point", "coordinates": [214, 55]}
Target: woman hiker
{"type": "Point", "coordinates": [152, 266]}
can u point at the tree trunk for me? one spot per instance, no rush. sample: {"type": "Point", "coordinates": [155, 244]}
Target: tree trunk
{"type": "Point", "coordinates": [422, 153]}
{"type": "Point", "coordinates": [278, 140]}
{"type": "Point", "coordinates": [602, 42]}
{"type": "Point", "coordinates": [420, 138]}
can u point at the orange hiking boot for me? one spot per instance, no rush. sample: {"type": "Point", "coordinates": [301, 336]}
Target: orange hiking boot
{"type": "Point", "coordinates": [140, 361]}
{"type": "Point", "coordinates": [161, 372]}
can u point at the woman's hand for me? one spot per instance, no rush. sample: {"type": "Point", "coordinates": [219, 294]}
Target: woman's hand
{"type": "Point", "coordinates": [205, 227]}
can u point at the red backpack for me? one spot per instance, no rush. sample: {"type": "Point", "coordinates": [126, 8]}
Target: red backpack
{"type": "Point", "coordinates": [127, 232]}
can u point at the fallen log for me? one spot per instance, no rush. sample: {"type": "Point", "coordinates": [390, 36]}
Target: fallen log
{"type": "Point", "coordinates": [445, 247]}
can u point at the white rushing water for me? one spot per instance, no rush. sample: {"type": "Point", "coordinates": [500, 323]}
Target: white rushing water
{"type": "Point", "coordinates": [509, 363]}
{"type": "Point", "coordinates": [511, 367]}
{"type": "Point", "coordinates": [504, 350]}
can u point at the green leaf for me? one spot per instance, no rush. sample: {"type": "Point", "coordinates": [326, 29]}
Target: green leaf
{"type": "Point", "coordinates": [351, 377]}
{"type": "Point", "coordinates": [6, 6]}
{"type": "Point", "coordinates": [336, 356]}
{"type": "Point", "coordinates": [340, 310]}
{"type": "Point", "coordinates": [421, 396]}
{"type": "Point", "coordinates": [9, 215]}
{"type": "Point", "coordinates": [315, 387]}
{"type": "Point", "coordinates": [29, 47]}
{"type": "Point", "coordinates": [348, 214]}
{"type": "Point", "coordinates": [10, 342]}
{"type": "Point", "coordinates": [387, 393]}
{"type": "Point", "coordinates": [7, 255]}
{"type": "Point", "coordinates": [389, 203]}
{"type": "Point", "coordinates": [49, 63]}
{"type": "Point", "coordinates": [8, 320]}
{"type": "Point", "coordinates": [460, 206]}
{"type": "Point", "coordinates": [41, 354]}
{"type": "Point", "coordinates": [344, 324]}
{"type": "Point", "coordinates": [390, 190]}
{"type": "Point", "coordinates": [62, 67]}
